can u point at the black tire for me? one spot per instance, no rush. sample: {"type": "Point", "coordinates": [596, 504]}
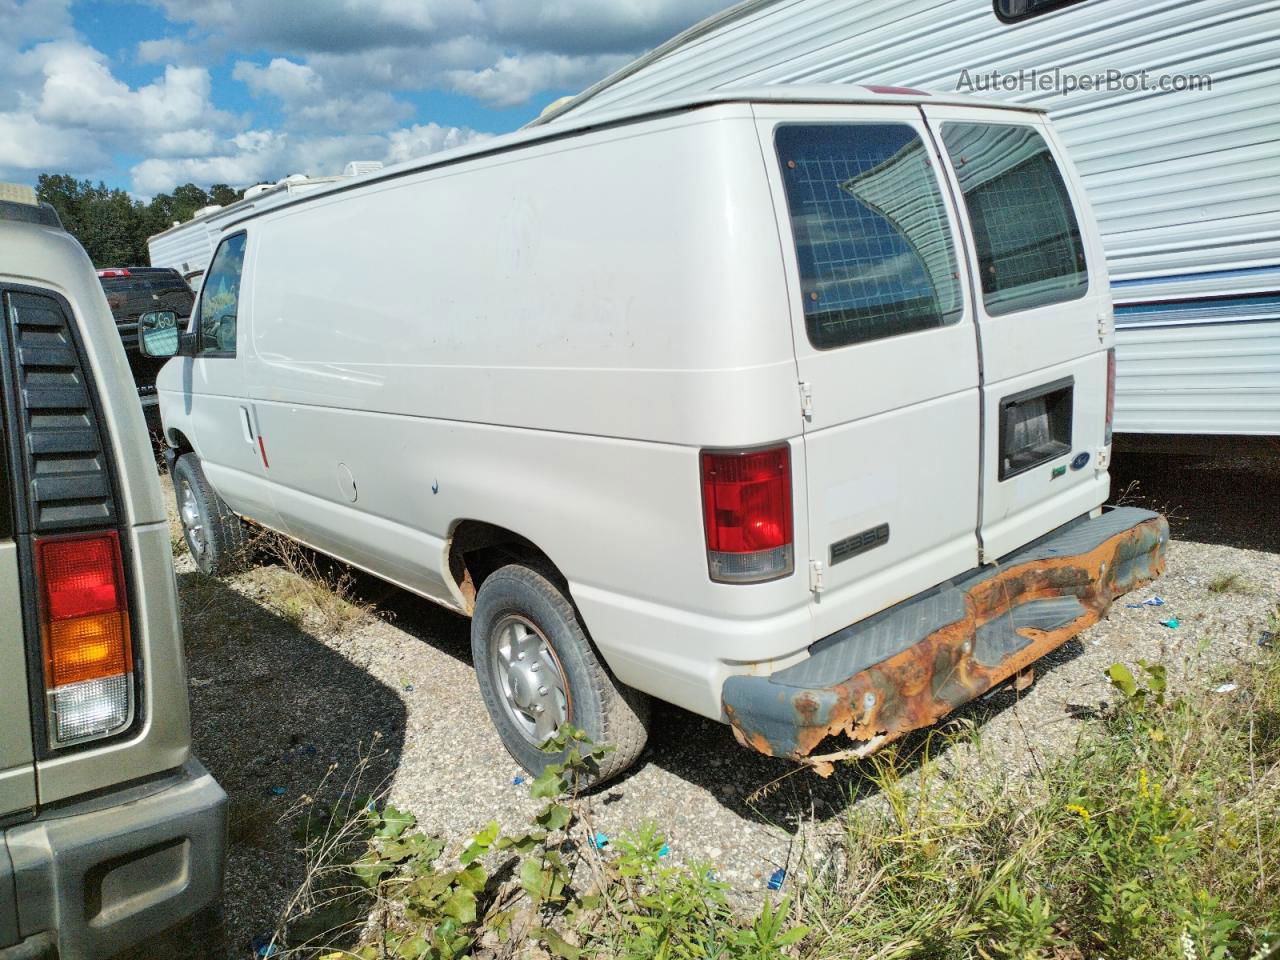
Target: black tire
{"type": "Point", "coordinates": [608, 711]}
{"type": "Point", "coordinates": [220, 545]}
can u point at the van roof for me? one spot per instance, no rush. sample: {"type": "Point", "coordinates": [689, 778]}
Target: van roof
{"type": "Point", "coordinates": [776, 93]}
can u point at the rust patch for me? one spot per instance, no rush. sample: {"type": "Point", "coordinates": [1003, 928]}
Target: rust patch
{"type": "Point", "coordinates": [924, 683]}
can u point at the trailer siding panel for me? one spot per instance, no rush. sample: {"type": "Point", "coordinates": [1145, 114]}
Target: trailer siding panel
{"type": "Point", "coordinates": [1185, 185]}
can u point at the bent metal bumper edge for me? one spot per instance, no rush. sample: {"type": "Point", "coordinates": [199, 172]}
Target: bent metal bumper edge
{"type": "Point", "coordinates": [909, 666]}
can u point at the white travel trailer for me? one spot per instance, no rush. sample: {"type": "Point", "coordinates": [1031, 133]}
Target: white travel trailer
{"type": "Point", "coordinates": [1177, 146]}
{"type": "Point", "coordinates": [187, 247]}
{"type": "Point", "coordinates": [789, 406]}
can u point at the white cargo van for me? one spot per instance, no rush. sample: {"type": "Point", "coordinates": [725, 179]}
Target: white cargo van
{"type": "Point", "coordinates": [789, 406]}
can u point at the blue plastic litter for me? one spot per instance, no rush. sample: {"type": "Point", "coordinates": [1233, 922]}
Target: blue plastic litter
{"type": "Point", "coordinates": [1154, 602]}
{"type": "Point", "coordinates": [777, 878]}
{"type": "Point", "coordinates": [1172, 623]}
{"type": "Point", "coordinates": [664, 851]}
{"type": "Point", "coordinates": [516, 781]}
{"type": "Point", "coordinates": [262, 946]}
{"type": "Point", "coordinates": [599, 841]}
{"type": "Point", "coordinates": [279, 791]}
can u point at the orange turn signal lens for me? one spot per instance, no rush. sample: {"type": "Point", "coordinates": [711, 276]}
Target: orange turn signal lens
{"type": "Point", "coordinates": [87, 648]}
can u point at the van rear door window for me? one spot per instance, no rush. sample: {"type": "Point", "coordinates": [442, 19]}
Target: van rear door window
{"type": "Point", "coordinates": [1028, 241]}
{"type": "Point", "coordinates": [871, 232]}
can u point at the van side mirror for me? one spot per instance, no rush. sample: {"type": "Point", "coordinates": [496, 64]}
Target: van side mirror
{"type": "Point", "coordinates": [158, 333]}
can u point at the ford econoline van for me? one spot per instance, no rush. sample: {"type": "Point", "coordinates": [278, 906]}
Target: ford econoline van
{"type": "Point", "coordinates": [111, 832]}
{"type": "Point", "coordinates": [789, 406]}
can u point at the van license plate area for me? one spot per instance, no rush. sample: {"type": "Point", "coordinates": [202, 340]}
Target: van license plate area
{"type": "Point", "coordinates": [1035, 427]}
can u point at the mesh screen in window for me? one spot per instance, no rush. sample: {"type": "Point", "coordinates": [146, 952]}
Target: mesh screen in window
{"type": "Point", "coordinates": [1029, 248]}
{"type": "Point", "coordinates": [871, 232]}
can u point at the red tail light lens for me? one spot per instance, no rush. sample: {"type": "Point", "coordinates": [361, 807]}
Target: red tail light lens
{"type": "Point", "coordinates": [88, 651]}
{"type": "Point", "coordinates": [112, 272]}
{"type": "Point", "coordinates": [747, 511]}
{"type": "Point", "coordinates": [1111, 391]}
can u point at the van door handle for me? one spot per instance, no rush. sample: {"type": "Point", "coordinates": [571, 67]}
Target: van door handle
{"type": "Point", "coordinates": [246, 424]}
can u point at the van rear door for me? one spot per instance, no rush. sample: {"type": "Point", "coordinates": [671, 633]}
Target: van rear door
{"type": "Point", "coordinates": [885, 350]}
{"type": "Point", "coordinates": [1044, 322]}
{"type": "Point", "coordinates": [17, 770]}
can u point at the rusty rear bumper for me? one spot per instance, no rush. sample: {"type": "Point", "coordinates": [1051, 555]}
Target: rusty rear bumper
{"type": "Point", "coordinates": [909, 666]}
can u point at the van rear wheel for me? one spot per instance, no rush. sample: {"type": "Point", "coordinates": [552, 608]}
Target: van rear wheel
{"type": "Point", "coordinates": [215, 536]}
{"type": "Point", "coordinates": [537, 670]}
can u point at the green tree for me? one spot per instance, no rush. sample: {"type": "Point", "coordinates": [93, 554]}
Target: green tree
{"type": "Point", "coordinates": [112, 226]}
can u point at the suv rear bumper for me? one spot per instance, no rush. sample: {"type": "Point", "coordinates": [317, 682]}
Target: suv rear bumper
{"type": "Point", "coordinates": [912, 664]}
{"type": "Point", "coordinates": [106, 874]}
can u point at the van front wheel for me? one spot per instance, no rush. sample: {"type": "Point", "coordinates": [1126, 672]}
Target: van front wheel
{"type": "Point", "coordinates": [215, 536]}
{"type": "Point", "coordinates": [537, 670]}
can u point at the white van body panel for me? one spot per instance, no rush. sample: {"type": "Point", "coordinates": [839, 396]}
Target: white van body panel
{"type": "Point", "coordinates": [1185, 184]}
{"type": "Point", "coordinates": [544, 332]}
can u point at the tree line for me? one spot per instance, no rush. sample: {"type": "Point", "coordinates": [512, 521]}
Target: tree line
{"type": "Point", "coordinates": [111, 225]}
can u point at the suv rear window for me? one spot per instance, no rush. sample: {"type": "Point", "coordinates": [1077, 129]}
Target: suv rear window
{"type": "Point", "coordinates": [1030, 253]}
{"type": "Point", "coordinates": [130, 297]}
{"type": "Point", "coordinates": [871, 232]}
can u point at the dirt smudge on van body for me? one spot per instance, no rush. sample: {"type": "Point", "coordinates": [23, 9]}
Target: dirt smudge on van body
{"type": "Point", "coordinates": [922, 684]}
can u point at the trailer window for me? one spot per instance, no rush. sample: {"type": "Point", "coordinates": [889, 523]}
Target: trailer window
{"type": "Point", "coordinates": [1011, 11]}
{"type": "Point", "coordinates": [1030, 252]}
{"type": "Point", "coordinates": [871, 232]}
{"type": "Point", "coordinates": [220, 298]}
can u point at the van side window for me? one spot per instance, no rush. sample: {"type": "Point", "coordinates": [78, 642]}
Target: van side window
{"type": "Point", "coordinates": [1011, 11]}
{"type": "Point", "coordinates": [871, 232]}
{"type": "Point", "coordinates": [1030, 252]}
{"type": "Point", "coordinates": [219, 298]}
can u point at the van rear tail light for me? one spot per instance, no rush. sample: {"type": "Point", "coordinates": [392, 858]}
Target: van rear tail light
{"type": "Point", "coordinates": [84, 626]}
{"type": "Point", "coordinates": [747, 510]}
{"type": "Point", "coordinates": [1111, 392]}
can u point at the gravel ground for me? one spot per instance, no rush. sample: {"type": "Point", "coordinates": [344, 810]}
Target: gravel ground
{"type": "Point", "coordinates": [277, 700]}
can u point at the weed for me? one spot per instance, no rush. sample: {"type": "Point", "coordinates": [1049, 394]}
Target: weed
{"type": "Point", "coordinates": [1158, 836]}
{"type": "Point", "coordinates": [1231, 582]}
{"type": "Point", "coordinates": [379, 887]}
{"type": "Point", "coordinates": [307, 591]}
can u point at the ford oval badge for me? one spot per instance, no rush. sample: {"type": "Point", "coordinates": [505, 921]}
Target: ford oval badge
{"type": "Point", "coordinates": [1080, 461]}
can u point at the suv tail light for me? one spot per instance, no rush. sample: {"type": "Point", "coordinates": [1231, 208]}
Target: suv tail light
{"type": "Point", "coordinates": [84, 627]}
{"type": "Point", "coordinates": [747, 510]}
{"type": "Point", "coordinates": [1111, 392]}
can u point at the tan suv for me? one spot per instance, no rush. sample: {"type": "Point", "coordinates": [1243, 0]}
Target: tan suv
{"type": "Point", "coordinates": [110, 830]}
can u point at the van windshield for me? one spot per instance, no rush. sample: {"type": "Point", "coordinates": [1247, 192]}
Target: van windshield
{"type": "Point", "coordinates": [871, 232]}
{"type": "Point", "coordinates": [1030, 253]}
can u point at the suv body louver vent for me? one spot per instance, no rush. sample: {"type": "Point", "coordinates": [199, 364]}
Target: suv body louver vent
{"type": "Point", "coordinates": [65, 469]}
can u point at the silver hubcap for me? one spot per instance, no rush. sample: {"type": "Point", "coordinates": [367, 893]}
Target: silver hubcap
{"type": "Point", "coordinates": [528, 674]}
{"type": "Point", "coordinates": [191, 522]}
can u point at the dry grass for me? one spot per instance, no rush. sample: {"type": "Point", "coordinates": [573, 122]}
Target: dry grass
{"type": "Point", "coordinates": [307, 590]}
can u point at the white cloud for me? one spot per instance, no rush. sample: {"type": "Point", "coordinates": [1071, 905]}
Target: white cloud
{"type": "Point", "coordinates": [162, 50]}
{"type": "Point", "coordinates": [281, 78]}
{"type": "Point", "coordinates": [504, 51]}
{"type": "Point", "coordinates": [79, 90]}
{"type": "Point", "coordinates": [332, 83]}
{"type": "Point", "coordinates": [421, 139]}
{"type": "Point", "coordinates": [514, 79]}
{"type": "Point", "coordinates": [267, 155]}
{"type": "Point", "coordinates": [28, 145]}
{"type": "Point", "coordinates": [183, 143]}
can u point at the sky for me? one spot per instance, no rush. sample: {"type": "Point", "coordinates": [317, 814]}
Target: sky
{"type": "Point", "coordinates": [149, 95]}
